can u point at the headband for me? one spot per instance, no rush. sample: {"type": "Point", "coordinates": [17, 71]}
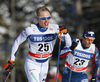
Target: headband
{"type": "Point", "coordinates": [89, 34]}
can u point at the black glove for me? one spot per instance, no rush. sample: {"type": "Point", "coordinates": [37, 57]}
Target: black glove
{"type": "Point", "coordinates": [63, 29]}
{"type": "Point", "coordinates": [74, 44]}
{"type": "Point", "coordinates": [9, 65]}
{"type": "Point", "coordinates": [93, 79]}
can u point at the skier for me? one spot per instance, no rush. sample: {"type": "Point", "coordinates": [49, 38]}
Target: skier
{"type": "Point", "coordinates": [41, 39]}
{"type": "Point", "coordinates": [78, 56]}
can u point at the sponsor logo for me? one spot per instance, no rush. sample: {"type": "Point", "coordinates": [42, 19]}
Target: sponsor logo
{"type": "Point", "coordinates": [91, 49]}
{"type": "Point", "coordinates": [25, 32]}
{"type": "Point", "coordinates": [91, 33]}
{"type": "Point", "coordinates": [32, 69]}
{"type": "Point", "coordinates": [82, 55]}
{"type": "Point", "coordinates": [22, 34]}
{"type": "Point", "coordinates": [33, 29]}
{"type": "Point", "coordinates": [51, 29]}
{"type": "Point", "coordinates": [42, 38]}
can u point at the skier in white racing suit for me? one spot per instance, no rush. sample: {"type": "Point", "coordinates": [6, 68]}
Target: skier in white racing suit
{"type": "Point", "coordinates": [41, 38]}
{"type": "Point", "coordinates": [78, 57]}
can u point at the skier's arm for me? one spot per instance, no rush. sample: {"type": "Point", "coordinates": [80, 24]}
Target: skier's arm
{"type": "Point", "coordinates": [20, 39]}
{"type": "Point", "coordinates": [69, 47]}
{"type": "Point", "coordinates": [95, 65]}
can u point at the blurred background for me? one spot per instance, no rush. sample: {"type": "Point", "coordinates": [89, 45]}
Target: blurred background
{"type": "Point", "coordinates": [15, 15]}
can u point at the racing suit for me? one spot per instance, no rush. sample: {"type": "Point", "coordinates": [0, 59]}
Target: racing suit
{"type": "Point", "coordinates": [77, 62]}
{"type": "Point", "coordinates": [41, 43]}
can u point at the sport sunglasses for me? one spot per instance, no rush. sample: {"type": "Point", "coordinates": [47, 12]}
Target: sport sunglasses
{"type": "Point", "coordinates": [90, 39]}
{"type": "Point", "coordinates": [44, 18]}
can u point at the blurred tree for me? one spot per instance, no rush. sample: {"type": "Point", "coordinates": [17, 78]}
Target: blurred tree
{"type": "Point", "coordinates": [15, 15]}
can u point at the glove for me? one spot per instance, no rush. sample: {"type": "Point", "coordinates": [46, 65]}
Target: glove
{"type": "Point", "coordinates": [74, 44]}
{"type": "Point", "coordinates": [62, 29]}
{"type": "Point", "coordinates": [93, 79]}
{"type": "Point", "coordinates": [9, 65]}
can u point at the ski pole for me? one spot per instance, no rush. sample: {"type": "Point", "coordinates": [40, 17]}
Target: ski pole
{"type": "Point", "coordinates": [7, 76]}
{"type": "Point", "coordinates": [58, 57]}
{"type": "Point", "coordinates": [72, 64]}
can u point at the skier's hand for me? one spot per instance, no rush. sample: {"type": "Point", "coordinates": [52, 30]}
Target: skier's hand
{"type": "Point", "coordinates": [9, 65]}
{"type": "Point", "coordinates": [74, 44]}
{"type": "Point", "coordinates": [93, 79]}
{"type": "Point", "coordinates": [63, 29]}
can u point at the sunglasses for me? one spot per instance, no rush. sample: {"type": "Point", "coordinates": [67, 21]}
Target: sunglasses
{"type": "Point", "coordinates": [44, 18]}
{"type": "Point", "coordinates": [90, 39]}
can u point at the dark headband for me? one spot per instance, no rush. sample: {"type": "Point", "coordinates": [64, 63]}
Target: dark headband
{"type": "Point", "coordinates": [89, 34]}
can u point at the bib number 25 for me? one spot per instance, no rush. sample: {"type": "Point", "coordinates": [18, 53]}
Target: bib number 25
{"type": "Point", "coordinates": [43, 47]}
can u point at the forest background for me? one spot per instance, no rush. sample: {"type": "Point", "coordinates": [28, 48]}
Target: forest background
{"type": "Point", "coordinates": [15, 15]}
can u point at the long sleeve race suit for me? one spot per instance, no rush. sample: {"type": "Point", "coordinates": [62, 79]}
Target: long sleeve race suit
{"type": "Point", "coordinates": [78, 60]}
{"type": "Point", "coordinates": [41, 43]}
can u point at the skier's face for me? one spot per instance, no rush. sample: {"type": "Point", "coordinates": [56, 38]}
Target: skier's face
{"type": "Point", "coordinates": [44, 19]}
{"type": "Point", "coordinates": [87, 41]}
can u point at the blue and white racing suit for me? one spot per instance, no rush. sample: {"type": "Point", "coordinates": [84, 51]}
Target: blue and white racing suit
{"type": "Point", "coordinates": [78, 63]}
{"type": "Point", "coordinates": [41, 43]}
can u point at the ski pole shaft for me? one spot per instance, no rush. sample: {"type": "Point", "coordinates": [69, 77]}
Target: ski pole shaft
{"type": "Point", "coordinates": [58, 57]}
{"type": "Point", "coordinates": [7, 77]}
